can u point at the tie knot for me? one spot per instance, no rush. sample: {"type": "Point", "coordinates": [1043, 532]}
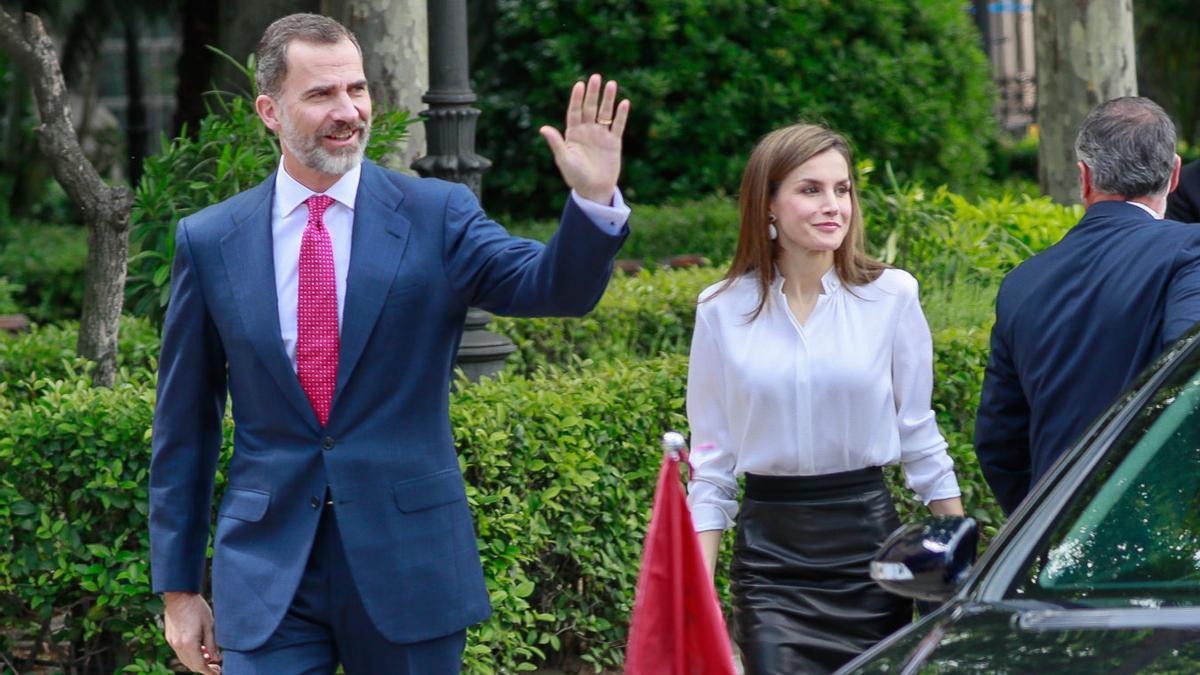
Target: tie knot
{"type": "Point", "coordinates": [316, 208]}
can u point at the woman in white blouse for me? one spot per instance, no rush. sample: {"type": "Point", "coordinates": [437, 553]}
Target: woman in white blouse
{"type": "Point", "coordinates": [811, 367]}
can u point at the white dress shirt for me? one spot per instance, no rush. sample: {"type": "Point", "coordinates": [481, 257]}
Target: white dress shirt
{"type": "Point", "coordinates": [848, 389]}
{"type": "Point", "coordinates": [1147, 209]}
{"type": "Point", "coordinates": [289, 217]}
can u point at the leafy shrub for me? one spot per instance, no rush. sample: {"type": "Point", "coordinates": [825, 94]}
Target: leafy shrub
{"type": "Point", "coordinates": [8, 305]}
{"type": "Point", "coordinates": [74, 575]}
{"type": "Point", "coordinates": [48, 353]}
{"type": "Point", "coordinates": [47, 262]}
{"type": "Point", "coordinates": [707, 228]}
{"type": "Point", "coordinates": [233, 151]}
{"type": "Point", "coordinates": [905, 80]}
{"type": "Point", "coordinates": [640, 316]}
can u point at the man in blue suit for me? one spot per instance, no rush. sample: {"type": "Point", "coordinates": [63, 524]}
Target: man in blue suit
{"type": "Point", "coordinates": [327, 303]}
{"type": "Point", "coordinates": [1076, 323]}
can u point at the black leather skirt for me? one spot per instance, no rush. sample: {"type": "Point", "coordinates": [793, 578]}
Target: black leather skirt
{"type": "Point", "coordinates": [803, 600]}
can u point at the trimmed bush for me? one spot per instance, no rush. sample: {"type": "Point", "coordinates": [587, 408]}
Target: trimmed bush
{"type": "Point", "coordinates": [640, 316]}
{"type": "Point", "coordinates": [45, 263]}
{"type": "Point", "coordinates": [906, 80]}
{"type": "Point", "coordinates": [707, 228]}
{"type": "Point", "coordinates": [48, 353]}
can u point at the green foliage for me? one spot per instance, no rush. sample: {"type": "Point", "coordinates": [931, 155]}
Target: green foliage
{"type": "Point", "coordinates": [46, 264]}
{"type": "Point", "coordinates": [640, 316]}
{"type": "Point", "coordinates": [706, 227]}
{"type": "Point", "coordinates": [8, 305]}
{"type": "Point", "coordinates": [48, 353]}
{"type": "Point", "coordinates": [1166, 73]}
{"type": "Point", "coordinates": [944, 238]}
{"type": "Point", "coordinates": [232, 151]}
{"type": "Point", "coordinates": [73, 483]}
{"type": "Point", "coordinates": [905, 80]}
{"type": "Point", "coordinates": [561, 470]}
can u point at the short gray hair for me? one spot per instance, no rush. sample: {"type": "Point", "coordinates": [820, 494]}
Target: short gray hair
{"type": "Point", "coordinates": [1129, 145]}
{"type": "Point", "coordinates": [270, 61]}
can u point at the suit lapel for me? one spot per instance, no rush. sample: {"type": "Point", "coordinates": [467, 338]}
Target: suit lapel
{"type": "Point", "coordinates": [377, 244]}
{"type": "Point", "coordinates": [249, 258]}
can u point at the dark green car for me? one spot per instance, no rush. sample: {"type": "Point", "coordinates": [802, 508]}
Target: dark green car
{"type": "Point", "coordinates": [1097, 572]}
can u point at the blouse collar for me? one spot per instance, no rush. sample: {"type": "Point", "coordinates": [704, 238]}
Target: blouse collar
{"type": "Point", "coordinates": [829, 281]}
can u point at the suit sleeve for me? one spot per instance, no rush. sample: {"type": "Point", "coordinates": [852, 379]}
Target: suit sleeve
{"type": "Point", "coordinates": [1183, 295]}
{"type": "Point", "coordinates": [1002, 427]}
{"type": "Point", "coordinates": [521, 277]}
{"type": "Point", "coordinates": [187, 432]}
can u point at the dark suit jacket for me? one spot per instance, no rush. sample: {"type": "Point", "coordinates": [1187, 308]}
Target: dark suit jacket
{"type": "Point", "coordinates": [422, 253]}
{"type": "Point", "coordinates": [1074, 325]}
{"type": "Point", "coordinates": [1184, 203]}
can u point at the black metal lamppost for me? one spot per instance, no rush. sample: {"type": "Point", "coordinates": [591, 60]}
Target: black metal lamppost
{"type": "Point", "coordinates": [450, 137]}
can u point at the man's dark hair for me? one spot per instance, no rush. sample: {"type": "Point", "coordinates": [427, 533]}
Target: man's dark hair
{"type": "Point", "coordinates": [1129, 145]}
{"type": "Point", "coordinates": [270, 60]}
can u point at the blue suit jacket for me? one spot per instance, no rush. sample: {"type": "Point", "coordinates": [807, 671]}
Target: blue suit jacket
{"type": "Point", "coordinates": [422, 252]}
{"type": "Point", "coordinates": [1074, 325]}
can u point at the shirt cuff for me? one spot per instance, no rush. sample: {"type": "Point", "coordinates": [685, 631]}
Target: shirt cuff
{"type": "Point", "coordinates": [709, 517]}
{"type": "Point", "coordinates": [611, 219]}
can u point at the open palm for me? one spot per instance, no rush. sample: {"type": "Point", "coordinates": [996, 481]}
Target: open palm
{"type": "Point", "coordinates": [589, 154]}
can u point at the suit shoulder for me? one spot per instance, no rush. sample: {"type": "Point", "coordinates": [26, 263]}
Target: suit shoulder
{"type": "Point", "coordinates": [420, 188]}
{"type": "Point", "coordinates": [219, 218]}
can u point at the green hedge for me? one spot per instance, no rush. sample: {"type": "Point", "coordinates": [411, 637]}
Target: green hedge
{"type": "Point", "coordinates": [48, 353]}
{"type": "Point", "coordinates": [46, 262]}
{"type": "Point", "coordinates": [942, 237]}
{"type": "Point", "coordinates": [560, 469]}
{"type": "Point", "coordinates": [906, 80]}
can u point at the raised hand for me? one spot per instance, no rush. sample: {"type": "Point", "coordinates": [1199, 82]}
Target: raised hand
{"type": "Point", "coordinates": [589, 154]}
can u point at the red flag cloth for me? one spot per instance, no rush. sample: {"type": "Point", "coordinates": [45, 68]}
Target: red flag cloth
{"type": "Point", "coordinates": [677, 627]}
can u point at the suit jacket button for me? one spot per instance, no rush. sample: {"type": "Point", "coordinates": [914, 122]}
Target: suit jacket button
{"type": "Point", "coordinates": [316, 503]}
{"type": "Point", "coordinates": [327, 443]}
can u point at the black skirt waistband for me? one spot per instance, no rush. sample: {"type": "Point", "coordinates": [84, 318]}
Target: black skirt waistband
{"type": "Point", "coordinates": [791, 488]}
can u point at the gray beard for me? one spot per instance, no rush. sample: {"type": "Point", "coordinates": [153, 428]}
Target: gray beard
{"type": "Point", "coordinates": [308, 149]}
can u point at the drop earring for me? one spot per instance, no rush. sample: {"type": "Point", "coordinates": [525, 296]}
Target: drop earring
{"type": "Point", "coordinates": [772, 233]}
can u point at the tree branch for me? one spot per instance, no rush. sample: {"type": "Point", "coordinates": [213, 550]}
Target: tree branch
{"type": "Point", "coordinates": [34, 52]}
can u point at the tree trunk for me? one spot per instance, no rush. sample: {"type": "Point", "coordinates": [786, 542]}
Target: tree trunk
{"type": "Point", "coordinates": [196, 61]}
{"type": "Point", "coordinates": [136, 132]}
{"type": "Point", "coordinates": [104, 208]}
{"type": "Point", "coordinates": [1085, 56]}
{"type": "Point", "coordinates": [395, 43]}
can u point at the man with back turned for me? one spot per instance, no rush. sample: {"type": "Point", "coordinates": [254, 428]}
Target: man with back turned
{"type": "Point", "coordinates": [1077, 322]}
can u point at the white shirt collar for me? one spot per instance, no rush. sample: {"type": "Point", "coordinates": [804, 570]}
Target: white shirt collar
{"type": "Point", "coordinates": [829, 281]}
{"type": "Point", "coordinates": [1147, 209]}
{"type": "Point", "coordinates": [289, 193]}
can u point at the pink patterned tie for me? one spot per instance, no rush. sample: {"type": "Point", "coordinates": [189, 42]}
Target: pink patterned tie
{"type": "Point", "coordinates": [317, 313]}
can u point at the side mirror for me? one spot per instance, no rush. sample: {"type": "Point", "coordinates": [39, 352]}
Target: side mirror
{"type": "Point", "coordinates": [927, 561]}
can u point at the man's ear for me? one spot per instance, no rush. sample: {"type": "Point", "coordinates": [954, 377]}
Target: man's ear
{"type": "Point", "coordinates": [1085, 182]}
{"type": "Point", "coordinates": [1175, 174]}
{"type": "Point", "coordinates": [268, 111]}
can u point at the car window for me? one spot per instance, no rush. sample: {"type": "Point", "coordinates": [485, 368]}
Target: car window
{"type": "Point", "coordinates": [1131, 537]}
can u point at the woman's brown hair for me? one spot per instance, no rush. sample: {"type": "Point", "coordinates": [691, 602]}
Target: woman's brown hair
{"type": "Point", "coordinates": [776, 156]}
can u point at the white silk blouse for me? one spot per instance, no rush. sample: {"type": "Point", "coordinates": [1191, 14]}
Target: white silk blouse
{"type": "Point", "coordinates": [849, 388]}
